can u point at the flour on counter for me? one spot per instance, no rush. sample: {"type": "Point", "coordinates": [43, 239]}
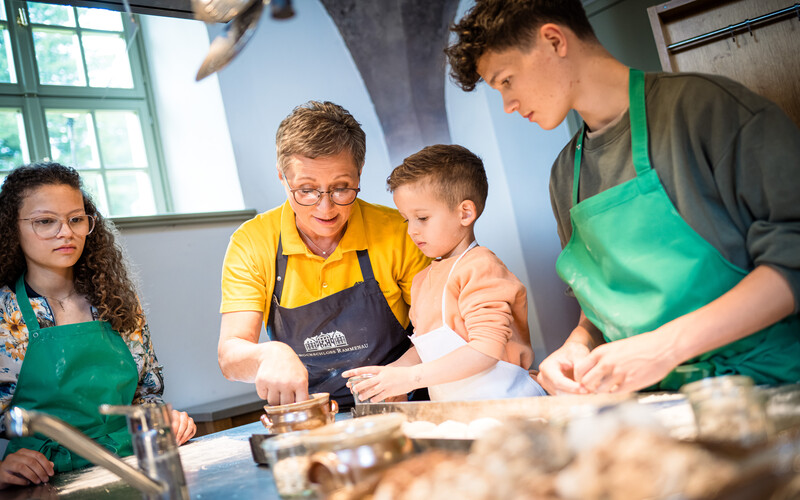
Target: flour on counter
{"type": "Point", "coordinates": [450, 429]}
{"type": "Point", "coordinates": [194, 456]}
{"type": "Point", "coordinates": [204, 453]}
{"type": "Point", "coordinates": [91, 477]}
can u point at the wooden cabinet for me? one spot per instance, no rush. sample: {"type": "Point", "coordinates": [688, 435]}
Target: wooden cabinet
{"type": "Point", "coordinates": [756, 42]}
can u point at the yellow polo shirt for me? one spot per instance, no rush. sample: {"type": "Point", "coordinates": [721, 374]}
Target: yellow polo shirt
{"type": "Point", "coordinates": [248, 272]}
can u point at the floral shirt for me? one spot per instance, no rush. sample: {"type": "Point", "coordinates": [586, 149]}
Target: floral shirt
{"type": "Point", "coordinates": [14, 343]}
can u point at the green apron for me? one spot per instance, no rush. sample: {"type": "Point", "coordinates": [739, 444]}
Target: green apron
{"type": "Point", "coordinates": [634, 264]}
{"type": "Point", "coordinates": [68, 371]}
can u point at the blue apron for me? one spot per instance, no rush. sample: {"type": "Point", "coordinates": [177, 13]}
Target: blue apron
{"type": "Point", "coordinates": [351, 328]}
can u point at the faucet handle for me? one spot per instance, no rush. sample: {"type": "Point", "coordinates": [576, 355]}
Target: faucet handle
{"type": "Point", "coordinates": [142, 417]}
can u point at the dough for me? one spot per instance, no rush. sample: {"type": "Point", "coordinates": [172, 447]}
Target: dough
{"type": "Point", "coordinates": [450, 429]}
{"type": "Point", "coordinates": [418, 428]}
{"type": "Point", "coordinates": [480, 426]}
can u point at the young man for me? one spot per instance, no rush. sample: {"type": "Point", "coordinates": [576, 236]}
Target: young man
{"type": "Point", "coordinates": [676, 205]}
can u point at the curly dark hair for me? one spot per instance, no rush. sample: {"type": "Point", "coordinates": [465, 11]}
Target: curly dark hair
{"type": "Point", "coordinates": [100, 273]}
{"type": "Point", "coordinates": [498, 25]}
{"type": "Point", "coordinates": [454, 172]}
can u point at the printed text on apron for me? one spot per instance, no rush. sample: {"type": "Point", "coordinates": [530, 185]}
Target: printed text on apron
{"type": "Point", "coordinates": [351, 328]}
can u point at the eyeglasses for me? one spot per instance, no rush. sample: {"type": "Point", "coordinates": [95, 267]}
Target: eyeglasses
{"type": "Point", "coordinates": [309, 197]}
{"type": "Point", "coordinates": [48, 227]}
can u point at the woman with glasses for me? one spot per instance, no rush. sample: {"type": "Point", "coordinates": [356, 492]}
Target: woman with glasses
{"type": "Point", "coordinates": [328, 274]}
{"type": "Point", "coordinates": [72, 332]}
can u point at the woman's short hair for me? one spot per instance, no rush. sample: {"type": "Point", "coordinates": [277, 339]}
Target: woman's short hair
{"type": "Point", "coordinates": [317, 130]}
{"type": "Point", "coordinates": [498, 25]}
{"type": "Point", "coordinates": [454, 173]}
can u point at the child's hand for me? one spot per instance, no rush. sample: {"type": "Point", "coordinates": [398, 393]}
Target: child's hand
{"type": "Point", "coordinates": [388, 381]}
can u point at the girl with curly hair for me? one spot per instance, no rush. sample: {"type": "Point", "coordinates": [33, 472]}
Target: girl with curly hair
{"type": "Point", "coordinates": [72, 332]}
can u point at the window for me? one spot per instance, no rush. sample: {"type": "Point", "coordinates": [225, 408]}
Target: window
{"type": "Point", "coordinates": [73, 90]}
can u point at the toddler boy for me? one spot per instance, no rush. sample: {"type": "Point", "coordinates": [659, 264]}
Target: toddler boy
{"type": "Point", "coordinates": [469, 311]}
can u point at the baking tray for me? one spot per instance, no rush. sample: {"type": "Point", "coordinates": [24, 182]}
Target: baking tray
{"type": "Point", "coordinates": [550, 408]}
{"type": "Point", "coordinates": [421, 445]}
{"type": "Point", "coordinates": [257, 450]}
{"type": "Point", "coordinates": [671, 409]}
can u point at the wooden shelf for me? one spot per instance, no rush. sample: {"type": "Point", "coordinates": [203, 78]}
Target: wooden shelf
{"type": "Point", "coordinates": [765, 57]}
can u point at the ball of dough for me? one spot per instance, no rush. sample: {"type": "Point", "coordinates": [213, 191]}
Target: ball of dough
{"type": "Point", "coordinates": [450, 429]}
{"type": "Point", "coordinates": [418, 428]}
{"type": "Point", "coordinates": [481, 426]}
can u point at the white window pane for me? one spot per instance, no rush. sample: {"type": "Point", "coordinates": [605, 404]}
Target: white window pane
{"type": "Point", "coordinates": [8, 74]}
{"type": "Point", "coordinates": [107, 61]}
{"type": "Point", "coordinates": [72, 138]}
{"type": "Point", "coordinates": [58, 56]}
{"type": "Point", "coordinates": [99, 19]}
{"type": "Point", "coordinates": [23, 138]}
{"type": "Point", "coordinates": [121, 140]}
{"type": "Point", "coordinates": [13, 143]}
{"type": "Point", "coordinates": [54, 15]}
{"type": "Point", "coordinates": [94, 185]}
{"type": "Point", "coordinates": [3, 15]}
{"type": "Point", "coordinates": [130, 193]}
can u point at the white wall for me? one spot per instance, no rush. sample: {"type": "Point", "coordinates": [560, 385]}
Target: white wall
{"type": "Point", "coordinates": [285, 64]}
{"type": "Point", "coordinates": [178, 269]}
{"type": "Point", "coordinates": [197, 147]}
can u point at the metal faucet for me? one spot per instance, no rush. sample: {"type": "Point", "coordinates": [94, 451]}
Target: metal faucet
{"type": "Point", "coordinates": [161, 475]}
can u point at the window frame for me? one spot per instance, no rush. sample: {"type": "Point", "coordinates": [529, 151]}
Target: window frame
{"type": "Point", "coordinates": [34, 98]}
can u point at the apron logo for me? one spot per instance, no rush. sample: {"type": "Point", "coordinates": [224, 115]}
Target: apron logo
{"type": "Point", "coordinates": [325, 341]}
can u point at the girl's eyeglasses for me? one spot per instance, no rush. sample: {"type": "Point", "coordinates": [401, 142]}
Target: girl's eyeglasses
{"type": "Point", "coordinates": [47, 227]}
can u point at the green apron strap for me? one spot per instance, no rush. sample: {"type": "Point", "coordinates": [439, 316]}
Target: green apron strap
{"type": "Point", "coordinates": [638, 118]}
{"type": "Point", "coordinates": [639, 143]}
{"type": "Point", "coordinates": [577, 170]}
{"type": "Point", "coordinates": [25, 305]}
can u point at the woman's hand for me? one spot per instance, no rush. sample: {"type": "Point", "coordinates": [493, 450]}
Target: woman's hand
{"type": "Point", "coordinates": [388, 381]}
{"type": "Point", "coordinates": [183, 427]}
{"type": "Point", "coordinates": [557, 371]}
{"type": "Point", "coordinates": [24, 467]}
{"type": "Point", "coordinates": [281, 377]}
{"type": "Point", "coordinates": [274, 367]}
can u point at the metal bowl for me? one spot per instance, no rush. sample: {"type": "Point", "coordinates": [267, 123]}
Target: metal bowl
{"type": "Point", "coordinates": [350, 453]}
{"type": "Point", "coordinates": [317, 411]}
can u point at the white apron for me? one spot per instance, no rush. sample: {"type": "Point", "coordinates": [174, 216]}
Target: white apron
{"type": "Point", "coordinates": [503, 380]}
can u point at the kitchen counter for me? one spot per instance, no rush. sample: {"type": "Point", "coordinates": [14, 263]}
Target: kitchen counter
{"type": "Point", "coordinates": [221, 465]}
{"type": "Point", "coordinates": [218, 465]}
